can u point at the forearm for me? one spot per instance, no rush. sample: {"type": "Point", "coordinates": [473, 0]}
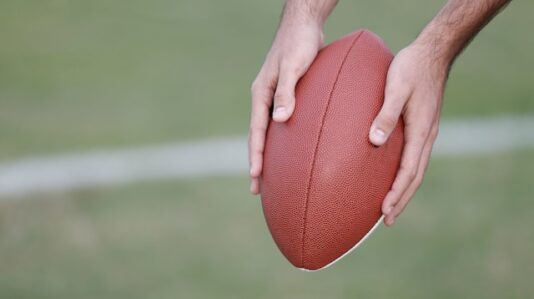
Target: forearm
{"type": "Point", "coordinates": [455, 26]}
{"type": "Point", "coordinates": [307, 11]}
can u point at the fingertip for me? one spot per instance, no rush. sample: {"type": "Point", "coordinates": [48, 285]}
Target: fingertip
{"type": "Point", "coordinates": [389, 221]}
{"type": "Point", "coordinates": [254, 187]}
{"type": "Point", "coordinates": [377, 136]}
{"type": "Point", "coordinates": [281, 114]}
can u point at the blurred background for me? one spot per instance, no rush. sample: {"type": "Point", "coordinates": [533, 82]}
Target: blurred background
{"type": "Point", "coordinates": [97, 81]}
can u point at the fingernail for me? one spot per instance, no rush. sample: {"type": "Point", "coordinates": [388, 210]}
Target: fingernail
{"type": "Point", "coordinates": [279, 111]}
{"type": "Point", "coordinates": [379, 135]}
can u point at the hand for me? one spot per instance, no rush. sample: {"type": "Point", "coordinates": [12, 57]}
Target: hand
{"type": "Point", "coordinates": [295, 46]}
{"type": "Point", "coordinates": [414, 88]}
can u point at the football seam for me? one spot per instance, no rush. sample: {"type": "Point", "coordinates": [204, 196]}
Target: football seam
{"type": "Point", "coordinates": [323, 117]}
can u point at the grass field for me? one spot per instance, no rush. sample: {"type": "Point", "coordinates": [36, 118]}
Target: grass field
{"type": "Point", "coordinates": [468, 234]}
{"type": "Point", "coordinates": [77, 75]}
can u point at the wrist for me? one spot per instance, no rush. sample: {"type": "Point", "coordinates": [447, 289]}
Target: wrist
{"type": "Point", "coordinates": [295, 27]}
{"type": "Point", "coordinates": [302, 19]}
{"type": "Point", "coordinates": [307, 12]}
{"type": "Point", "coordinates": [438, 46]}
{"type": "Point", "coordinates": [427, 60]}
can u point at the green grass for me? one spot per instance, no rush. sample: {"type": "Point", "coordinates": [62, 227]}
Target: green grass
{"type": "Point", "coordinates": [467, 234]}
{"type": "Point", "coordinates": [76, 75]}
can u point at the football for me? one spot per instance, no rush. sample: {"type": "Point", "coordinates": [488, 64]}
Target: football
{"type": "Point", "coordinates": [323, 182]}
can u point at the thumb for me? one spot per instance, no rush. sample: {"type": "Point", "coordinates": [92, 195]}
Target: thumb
{"type": "Point", "coordinates": [387, 118]}
{"type": "Point", "coordinates": [284, 96]}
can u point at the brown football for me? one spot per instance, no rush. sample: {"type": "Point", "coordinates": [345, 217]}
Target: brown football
{"type": "Point", "coordinates": [323, 182]}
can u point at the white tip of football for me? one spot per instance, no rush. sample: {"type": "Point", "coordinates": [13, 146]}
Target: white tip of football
{"type": "Point", "coordinates": [377, 224]}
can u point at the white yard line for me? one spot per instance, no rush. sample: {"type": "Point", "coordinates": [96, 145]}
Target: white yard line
{"type": "Point", "coordinates": [222, 156]}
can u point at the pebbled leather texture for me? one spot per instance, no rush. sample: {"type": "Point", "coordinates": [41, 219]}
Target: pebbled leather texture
{"type": "Point", "coordinates": [323, 182]}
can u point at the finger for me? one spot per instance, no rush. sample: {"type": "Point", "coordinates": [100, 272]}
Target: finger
{"type": "Point", "coordinates": [411, 156]}
{"type": "Point", "coordinates": [284, 97]}
{"type": "Point", "coordinates": [259, 120]}
{"type": "Point", "coordinates": [395, 98]}
{"type": "Point", "coordinates": [255, 186]}
{"type": "Point", "coordinates": [423, 164]}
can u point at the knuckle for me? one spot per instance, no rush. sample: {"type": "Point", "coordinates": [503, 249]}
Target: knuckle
{"type": "Point", "coordinates": [257, 152]}
{"type": "Point", "coordinates": [418, 181]}
{"type": "Point", "coordinates": [412, 174]}
{"type": "Point", "coordinates": [409, 171]}
{"type": "Point", "coordinates": [424, 133]}
{"type": "Point", "coordinates": [434, 133]}
{"type": "Point", "coordinates": [290, 69]}
{"type": "Point", "coordinates": [397, 88]}
{"type": "Point", "coordinates": [261, 97]}
{"type": "Point", "coordinates": [396, 193]}
{"type": "Point", "coordinates": [256, 87]}
{"type": "Point", "coordinates": [282, 96]}
{"type": "Point", "coordinates": [261, 89]}
{"type": "Point", "coordinates": [292, 63]}
{"type": "Point", "coordinates": [388, 120]}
